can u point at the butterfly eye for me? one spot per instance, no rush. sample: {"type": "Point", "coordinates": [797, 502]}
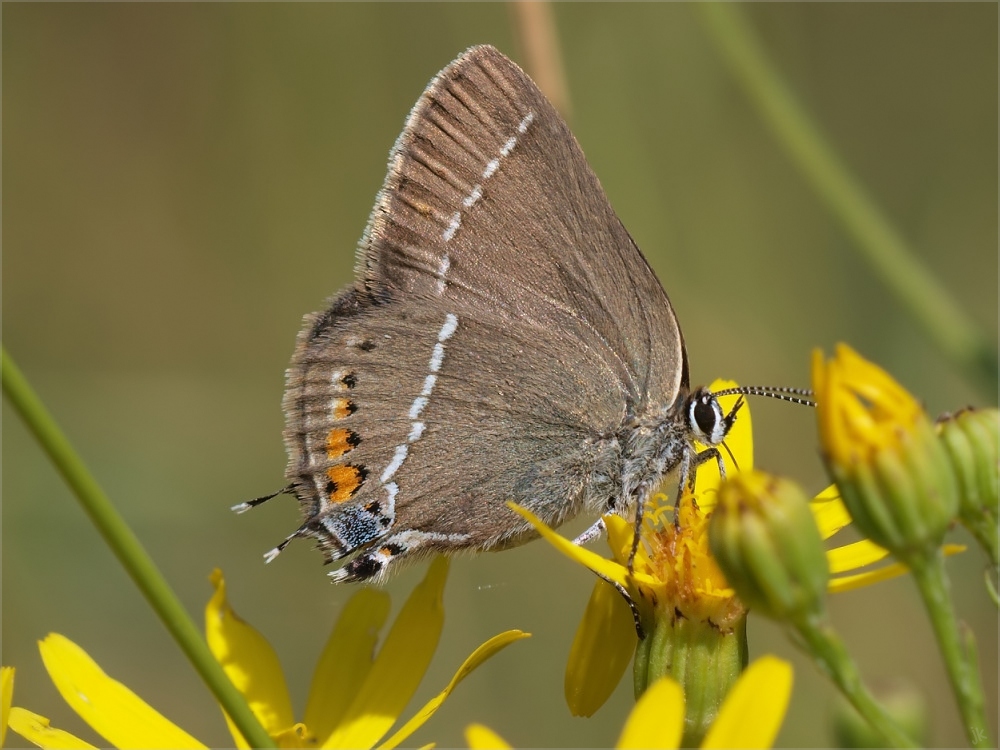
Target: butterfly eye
{"type": "Point", "coordinates": [705, 418]}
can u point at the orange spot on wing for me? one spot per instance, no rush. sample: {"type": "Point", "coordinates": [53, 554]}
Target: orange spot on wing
{"type": "Point", "coordinates": [342, 408]}
{"type": "Point", "coordinates": [339, 441]}
{"type": "Point", "coordinates": [345, 481]}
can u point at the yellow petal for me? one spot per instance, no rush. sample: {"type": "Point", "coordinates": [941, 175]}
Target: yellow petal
{"type": "Point", "coordinates": [829, 512]}
{"type": "Point", "coordinates": [36, 729]}
{"type": "Point", "coordinates": [876, 385]}
{"type": "Point", "coordinates": [601, 651]}
{"type": "Point", "coordinates": [751, 714]}
{"type": "Point", "coordinates": [346, 661]}
{"type": "Point", "coordinates": [6, 695]}
{"type": "Point", "coordinates": [854, 556]}
{"type": "Point", "coordinates": [607, 568]}
{"type": "Point", "coordinates": [824, 384]}
{"type": "Point", "coordinates": [861, 410]}
{"type": "Point", "coordinates": [849, 583]}
{"type": "Point", "coordinates": [657, 719]}
{"type": "Point", "coordinates": [250, 663]}
{"type": "Point", "coordinates": [295, 736]}
{"type": "Point", "coordinates": [620, 532]}
{"type": "Point", "coordinates": [399, 666]}
{"type": "Point", "coordinates": [111, 709]}
{"type": "Point", "coordinates": [860, 580]}
{"type": "Point", "coordinates": [478, 737]}
{"type": "Point", "coordinates": [481, 654]}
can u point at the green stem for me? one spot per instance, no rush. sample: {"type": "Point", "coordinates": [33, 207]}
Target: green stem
{"type": "Point", "coordinates": [984, 528]}
{"type": "Point", "coordinates": [878, 241]}
{"type": "Point", "coordinates": [959, 657]}
{"type": "Point", "coordinates": [823, 644]}
{"type": "Point", "coordinates": [991, 588]}
{"type": "Point", "coordinates": [128, 549]}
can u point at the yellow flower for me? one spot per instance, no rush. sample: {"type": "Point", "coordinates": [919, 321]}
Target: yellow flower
{"type": "Point", "coordinates": [750, 716]}
{"type": "Point", "coordinates": [678, 562]}
{"type": "Point", "coordinates": [882, 451]}
{"type": "Point", "coordinates": [672, 568]}
{"type": "Point", "coordinates": [355, 698]}
{"type": "Point", "coordinates": [860, 408]}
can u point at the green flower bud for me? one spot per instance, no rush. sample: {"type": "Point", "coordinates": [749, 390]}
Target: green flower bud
{"type": "Point", "coordinates": [972, 440]}
{"type": "Point", "coordinates": [765, 540]}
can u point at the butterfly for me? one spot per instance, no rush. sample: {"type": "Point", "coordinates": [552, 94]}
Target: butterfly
{"type": "Point", "coordinates": [504, 340]}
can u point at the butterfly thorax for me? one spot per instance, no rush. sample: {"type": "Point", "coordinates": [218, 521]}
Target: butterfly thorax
{"type": "Point", "coordinates": [653, 445]}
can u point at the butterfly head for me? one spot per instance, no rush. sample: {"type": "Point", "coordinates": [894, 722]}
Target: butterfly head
{"type": "Point", "coordinates": [706, 421]}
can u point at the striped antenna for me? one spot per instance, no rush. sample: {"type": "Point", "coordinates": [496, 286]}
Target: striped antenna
{"type": "Point", "coordinates": [802, 396]}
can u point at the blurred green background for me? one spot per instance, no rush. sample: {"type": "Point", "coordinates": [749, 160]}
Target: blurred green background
{"type": "Point", "coordinates": [182, 183]}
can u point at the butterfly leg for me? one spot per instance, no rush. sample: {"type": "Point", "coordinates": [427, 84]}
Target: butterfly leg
{"type": "Point", "coordinates": [636, 532]}
{"type": "Point", "coordinates": [686, 473]}
{"type": "Point", "coordinates": [709, 454]}
{"type": "Point", "coordinates": [631, 605]}
{"type": "Point", "coordinates": [593, 532]}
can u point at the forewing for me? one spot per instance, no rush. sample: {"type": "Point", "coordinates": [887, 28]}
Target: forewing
{"type": "Point", "coordinates": [490, 202]}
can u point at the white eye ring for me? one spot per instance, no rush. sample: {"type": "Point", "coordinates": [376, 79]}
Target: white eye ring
{"type": "Point", "coordinates": [706, 421]}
